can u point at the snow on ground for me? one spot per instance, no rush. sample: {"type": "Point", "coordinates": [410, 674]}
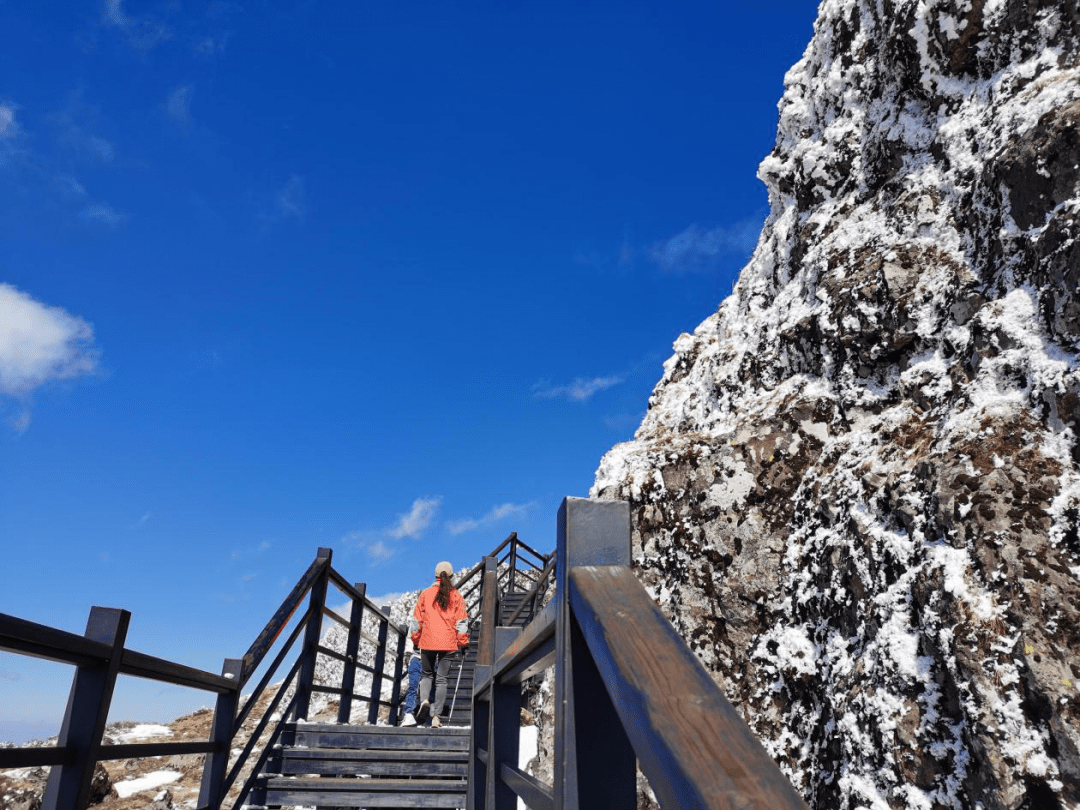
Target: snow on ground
{"type": "Point", "coordinates": [148, 782]}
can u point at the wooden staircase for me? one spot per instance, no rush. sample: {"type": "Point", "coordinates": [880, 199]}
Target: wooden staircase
{"type": "Point", "coordinates": [332, 765]}
{"type": "Point", "coordinates": [338, 765]}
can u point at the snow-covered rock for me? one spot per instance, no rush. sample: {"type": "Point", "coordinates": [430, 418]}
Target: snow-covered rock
{"type": "Point", "coordinates": [856, 490]}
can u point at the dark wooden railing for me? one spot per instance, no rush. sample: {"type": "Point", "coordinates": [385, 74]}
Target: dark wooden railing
{"type": "Point", "coordinates": [99, 656]}
{"type": "Point", "coordinates": [520, 568]}
{"type": "Point", "coordinates": [628, 690]}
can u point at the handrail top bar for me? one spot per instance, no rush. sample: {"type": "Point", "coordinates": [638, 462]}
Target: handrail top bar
{"type": "Point", "coordinates": [354, 594]}
{"type": "Point", "coordinates": [49, 642]}
{"type": "Point", "coordinates": [676, 745]}
{"type": "Point", "coordinates": [535, 633]}
{"type": "Point", "coordinates": [60, 645]}
{"type": "Point", "coordinates": [265, 640]}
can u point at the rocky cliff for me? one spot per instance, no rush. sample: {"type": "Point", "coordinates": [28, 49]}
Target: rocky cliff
{"type": "Point", "coordinates": [856, 489]}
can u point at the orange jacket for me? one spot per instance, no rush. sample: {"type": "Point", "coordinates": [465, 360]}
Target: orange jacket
{"type": "Point", "coordinates": [438, 627]}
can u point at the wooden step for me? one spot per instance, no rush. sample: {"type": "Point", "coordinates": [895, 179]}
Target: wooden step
{"type": "Point", "coordinates": [417, 738]}
{"type": "Point", "coordinates": [353, 762]}
{"type": "Point", "coordinates": [360, 792]}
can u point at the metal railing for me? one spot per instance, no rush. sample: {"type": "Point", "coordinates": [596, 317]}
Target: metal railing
{"type": "Point", "coordinates": [99, 657]}
{"type": "Point", "coordinates": [628, 690]}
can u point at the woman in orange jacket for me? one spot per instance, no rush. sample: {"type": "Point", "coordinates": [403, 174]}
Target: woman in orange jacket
{"type": "Point", "coordinates": [439, 629]}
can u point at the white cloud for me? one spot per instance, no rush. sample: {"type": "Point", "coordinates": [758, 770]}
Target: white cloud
{"type": "Point", "coordinates": [40, 343]}
{"type": "Point", "coordinates": [103, 213]}
{"type": "Point", "coordinates": [21, 422]}
{"type": "Point", "coordinates": [8, 126]}
{"type": "Point", "coordinates": [113, 13]}
{"type": "Point", "coordinates": [179, 104]}
{"type": "Point", "coordinates": [290, 199]}
{"type": "Point", "coordinates": [414, 522]}
{"type": "Point", "coordinates": [580, 390]}
{"type": "Point", "coordinates": [697, 249]}
{"type": "Point", "coordinates": [496, 514]}
{"type": "Point", "coordinates": [143, 33]}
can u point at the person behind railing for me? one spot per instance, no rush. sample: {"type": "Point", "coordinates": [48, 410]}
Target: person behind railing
{"type": "Point", "coordinates": [442, 628]}
{"type": "Point", "coordinates": [413, 689]}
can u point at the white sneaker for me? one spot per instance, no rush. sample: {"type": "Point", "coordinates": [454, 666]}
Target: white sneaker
{"type": "Point", "coordinates": [408, 721]}
{"type": "Point", "coordinates": [435, 721]}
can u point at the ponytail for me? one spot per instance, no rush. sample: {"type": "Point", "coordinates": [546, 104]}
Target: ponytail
{"type": "Point", "coordinates": [442, 598]}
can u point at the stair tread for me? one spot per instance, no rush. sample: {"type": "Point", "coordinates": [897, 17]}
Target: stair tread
{"type": "Point", "coordinates": [345, 728]}
{"type": "Point", "coordinates": [330, 784]}
{"type": "Point", "coordinates": [370, 755]}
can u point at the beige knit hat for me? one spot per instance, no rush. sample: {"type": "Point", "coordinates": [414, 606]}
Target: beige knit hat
{"type": "Point", "coordinates": [444, 567]}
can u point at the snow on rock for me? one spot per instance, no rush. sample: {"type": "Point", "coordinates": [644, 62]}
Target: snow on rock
{"type": "Point", "coordinates": [150, 781]}
{"type": "Point", "coordinates": [143, 731]}
{"type": "Point", "coordinates": [856, 490]}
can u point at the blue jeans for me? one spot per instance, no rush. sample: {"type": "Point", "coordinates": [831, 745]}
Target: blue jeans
{"type": "Point", "coordinates": [411, 696]}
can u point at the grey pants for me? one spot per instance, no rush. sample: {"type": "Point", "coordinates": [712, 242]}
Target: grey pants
{"type": "Point", "coordinates": [435, 663]}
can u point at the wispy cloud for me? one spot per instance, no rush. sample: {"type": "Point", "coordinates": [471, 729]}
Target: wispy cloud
{"type": "Point", "coordinates": [496, 514]}
{"type": "Point", "coordinates": [141, 32]}
{"type": "Point", "coordinates": [179, 104]}
{"type": "Point", "coordinates": [142, 521]}
{"type": "Point", "coordinates": [416, 521]}
{"type": "Point", "coordinates": [9, 128]}
{"type": "Point", "coordinates": [288, 202]}
{"type": "Point", "coordinates": [21, 423]}
{"type": "Point", "coordinates": [579, 390]}
{"type": "Point", "coordinates": [290, 199]}
{"type": "Point", "coordinates": [40, 343]}
{"type": "Point", "coordinates": [103, 213]}
{"type": "Point", "coordinates": [696, 249]}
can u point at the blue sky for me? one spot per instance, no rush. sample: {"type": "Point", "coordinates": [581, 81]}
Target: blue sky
{"type": "Point", "coordinates": [387, 278]}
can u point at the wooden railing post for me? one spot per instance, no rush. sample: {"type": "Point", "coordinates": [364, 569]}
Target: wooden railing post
{"type": "Point", "coordinates": [352, 646]}
{"type": "Point", "coordinates": [504, 730]}
{"type": "Point", "coordinates": [489, 613]}
{"type": "Point", "coordinates": [399, 666]}
{"type": "Point", "coordinates": [512, 583]}
{"type": "Point", "coordinates": [221, 732]}
{"type": "Point", "coordinates": [380, 662]}
{"type": "Point", "coordinates": [311, 637]}
{"type": "Point", "coordinates": [92, 686]}
{"type": "Point", "coordinates": [595, 765]}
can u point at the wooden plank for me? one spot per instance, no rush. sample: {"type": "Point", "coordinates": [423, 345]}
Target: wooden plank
{"type": "Point", "coordinates": [360, 755]}
{"type": "Point", "coordinates": [693, 746]}
{"type": "Point", "coordinates": [40, 641]}
{"type": "Point", "coordinates": [415, 767]}
{"type": "Point", "coordinates": [388, 740]}
{"type": "Point", "coordinates": [87, 711]}
{"type": "Point", "coordinates": [157, 669]}
{"type": "Point", "coordinates": [335, 617]}
{"type": "Point", "coordinates": [535, 794]}
{"type": "Point", "coordinates": [265, 640]}
{"type": "Point", "coordinates": [330, 787]}
{"type": "Point", "coordinates": [539, 631]}
{"type": "Point", "coordinates": [35, 757]}
{"type": "Point", "coordinates": [332, 654]}
{"type": "Point", "coordinates": [310, 798]}
{"type": "Point", "coordinates": [254, 697]}
{"type": "Point", "coordinates": [485, 652]}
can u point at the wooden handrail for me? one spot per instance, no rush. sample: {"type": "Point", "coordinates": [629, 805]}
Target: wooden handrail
{"type": "Point", "coordinates": [679, 722]}
{"type": "Point", "coordinates": [627, 689]}
{"type": "Point", "coordinates": [265, 640]}
{"type": "Point", "coordinates": [100, 655]}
